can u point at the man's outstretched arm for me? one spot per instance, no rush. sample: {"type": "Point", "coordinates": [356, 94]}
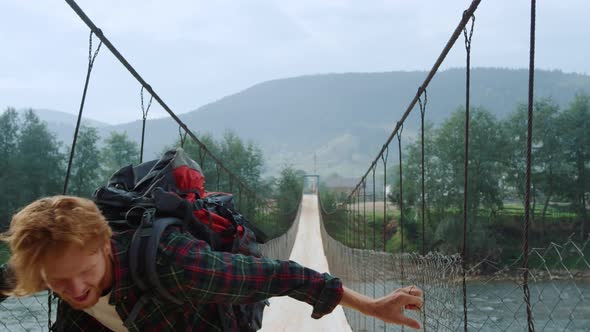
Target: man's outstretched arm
{"type": "Point", "coordinates": [191, 269]}
{"type": "Point", "coordinates": [389, 308]}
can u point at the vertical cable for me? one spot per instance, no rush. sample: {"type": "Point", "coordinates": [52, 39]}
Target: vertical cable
{"type": "Point", "coordinates": [348, 204]}
{"type": "Point", "coordinates": [374, 239]}
{"type": "Point", "coordinates": [356, 246]}
{"type": "Point", "coordinates": [422, 168]}
{"type": "Point", "coordinates": [364, 244]}
{"type": "Point", "coordinates": [358, 223]}
{"type": "Point", "coordinates": [218, 175]}
{"type": "Point", "coordinates": [401, 206]}
{"type": "Point", "coordinates": [374, 211]}
{"type": "Point", "coordinates": [239, 205]}
{"type": "Point", "coordinates": [527, 201]}
{"type": "Point", "coordinates": [358, 216]}
{"type": "Point", "coordinates": [202, 155]}
{"type": "Point", "coordinates": [401, 201]}
{"type": "Point", "coordinates": [384, 160]}
{"type": "Point", "coordinates": [182, 136]}
{"type": "Point", "coordinates": [91, 59]}
{"type": "Point", "coordinates": [144, 112]}
{"type": "Point", "coordinates": [466, 164]}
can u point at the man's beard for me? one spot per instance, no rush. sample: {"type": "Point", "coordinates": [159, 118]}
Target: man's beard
{"type": "Point", "coordinates": [89, 300]}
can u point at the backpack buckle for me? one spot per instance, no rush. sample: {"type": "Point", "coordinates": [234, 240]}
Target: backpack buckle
{"type": "Point", "coordinates": [148, 217]}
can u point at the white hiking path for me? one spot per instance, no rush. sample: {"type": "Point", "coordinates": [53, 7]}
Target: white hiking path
{"type": "Point", "coordinates": [287, 314]}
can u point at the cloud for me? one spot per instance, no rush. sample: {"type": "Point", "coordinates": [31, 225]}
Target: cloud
{"type": "Point", "coordinates": [194, 52]}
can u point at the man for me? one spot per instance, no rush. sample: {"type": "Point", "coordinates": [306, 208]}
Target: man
{"type": "Point", "coordinates": [65, 244]}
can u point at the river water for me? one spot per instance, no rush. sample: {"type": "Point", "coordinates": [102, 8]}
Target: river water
{"type": "Point", "coordinates": [494, 306]}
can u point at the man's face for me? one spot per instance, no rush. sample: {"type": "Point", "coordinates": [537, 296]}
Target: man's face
{"type": "Point", "coordinates": [79, 275]}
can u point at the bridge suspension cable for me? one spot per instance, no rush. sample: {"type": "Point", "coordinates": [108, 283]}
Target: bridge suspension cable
{"type": "Point", "coordinates": [449, 45]}
{"type": "Point", "coordinates": [104, 40]}
{"type": "Point", "coordinates": [466, 161]}
{"type": "Point", "coordinates": [529, 148]}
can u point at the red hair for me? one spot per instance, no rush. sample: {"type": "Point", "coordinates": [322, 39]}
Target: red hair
{"type": "Point", "coordinates": [48, 225]}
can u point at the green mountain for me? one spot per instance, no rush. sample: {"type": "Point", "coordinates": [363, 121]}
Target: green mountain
{"type": "Point", "coordinates": [338, 122]}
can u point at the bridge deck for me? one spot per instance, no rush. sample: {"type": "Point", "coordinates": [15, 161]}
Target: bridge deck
{"type": "Point", "coordinates": [287, 314]}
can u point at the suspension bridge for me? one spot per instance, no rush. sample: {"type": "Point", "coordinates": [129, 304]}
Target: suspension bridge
{"type": "Point", "coordinates": [544, 289]}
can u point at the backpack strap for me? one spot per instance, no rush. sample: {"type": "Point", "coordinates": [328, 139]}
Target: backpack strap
{"type": "Point", "coordinates": [130, 321]}
{"type": "Point", "coordinates": [143, 256]}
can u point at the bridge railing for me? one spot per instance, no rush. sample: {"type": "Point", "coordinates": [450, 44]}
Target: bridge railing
{"type": "Point", "coordinates": [559, 283]}
{"type": "Point", "coordinates": [376, 273]}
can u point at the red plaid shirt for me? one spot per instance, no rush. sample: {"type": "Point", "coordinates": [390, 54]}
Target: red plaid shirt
{"type": "Point", "coordinates": [190, 270]}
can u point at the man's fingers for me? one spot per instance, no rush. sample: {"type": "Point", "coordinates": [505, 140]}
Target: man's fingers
{"type": "Point", "coordinates": [411, 300]}
{"type": "Point", "coordinates": [412, 307]}
{"type": "Point", "coordinates": [413, 290]}
{"type": "Point", "coordinates": [407, 321]}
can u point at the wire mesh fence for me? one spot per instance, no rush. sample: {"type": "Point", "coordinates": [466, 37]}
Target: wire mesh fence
{"type": "Point", "coordinates": [376, 273]}
{"type": "Point", "coordinates": [559, 282]}
{"type": "Point", "coordinates": [281, 247]}
{"type": "Point", "coordinates": [26, 314]}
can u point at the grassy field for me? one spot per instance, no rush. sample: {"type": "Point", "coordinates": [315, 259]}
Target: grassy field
{"type": "Point", "coordinates": [553, 210]}
{"type": "Point", "coordinates": [368, 206]}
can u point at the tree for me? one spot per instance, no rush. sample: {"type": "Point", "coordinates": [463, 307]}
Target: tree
{"type": "Point", "coordinates": [289, 192]}
{"type": "Point", "coordinates": [444, 179]}
{"type": "Point", "coordinates": [547, 154]}
{"type": "Point", "coordinates": [412, 170]}
{"type": "Point", "coordinates": [412, 187]}
{"type": "Point", "coordinates": [487, 149]}
{"type": "Point", "coordinates": [333, 210]}
{"type": "Point", "coordinates": [486, 155]}
{"type": "Point", "coordinates": [8, 138]}
{"type": "Point", "coordinates": [575, 122]}
{"type": "Point", "coordinates": [117, 152]}
{"type": "Point", "coordinates": [244, 160]}
{"type": "Point", "coordinates": [86, 169]}
{"type": "Point", "coordinates": [39, 165]}
{"type": "Point", "coordinates": [9, 128]}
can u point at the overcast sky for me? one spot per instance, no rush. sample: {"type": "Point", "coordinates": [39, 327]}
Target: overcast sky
{"type": "Point", "coordinates": [195, 52]}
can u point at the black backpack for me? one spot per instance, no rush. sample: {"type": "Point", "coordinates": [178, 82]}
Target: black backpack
{"type": "Point", "coordinates": [168, 192]}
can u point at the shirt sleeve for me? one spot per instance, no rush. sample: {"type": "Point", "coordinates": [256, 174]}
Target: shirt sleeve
{"type": "Point", "coordinates": [201, 274]}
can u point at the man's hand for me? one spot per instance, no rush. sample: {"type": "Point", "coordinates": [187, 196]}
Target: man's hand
{"type": "Point", "coordinates": [389, 308]}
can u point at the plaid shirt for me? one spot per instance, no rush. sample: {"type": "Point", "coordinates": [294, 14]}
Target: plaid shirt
{"type": "Point", "coordinates": [190, 270]}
